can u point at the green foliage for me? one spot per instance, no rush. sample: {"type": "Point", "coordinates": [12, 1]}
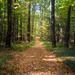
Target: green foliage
{"type": "Point", "coordinates": [47, 45]}
{"type": "Point", "coordinates": [30, 44]}
{"type": "Point", "coordinates": [63, 52]}
{"type": "Point", "coordinates": [16, 46]}
{"type": "Point", "coordinates": [44, 39]}
{"type": "Point", "coordinates": [0, 72]}
{"type": "Point", "coordinates": [3, 59]}
{"type": "Point", "coordinates": [19, 47]}
{"type": "Point", "coordinates": [71, 63]}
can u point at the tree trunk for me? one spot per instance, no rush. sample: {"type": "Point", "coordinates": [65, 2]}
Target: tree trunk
{"type": "Point", "coordinates": [8, 37]}
{"type": "Point", "coordinates": [13, 28]}
{"type": "Point", "coordinates": [67, 30]}
{"type": "Point", "coordinates": [33, 15]}
{"type": "Point", "coordinates": [53, 23]}
{"type": "Point", "coordinates": [58, 33]}
{"type": "Point", "coordinates": [0, 24]}
{"type": "Point", "coordinates": [41, 18]}
{"type": "Point", "coordinates": [20, 29]}
{"type": "Point", "coordinates": [28, 27]}
{"type": "Point", "coordinates": [17, 29]}
{"type": "Point", "coordinates": [74, 39]}
{"type": "Point", "coordinates": [14, 25]}
{"type": "Point", "coordinates": [5, 23]}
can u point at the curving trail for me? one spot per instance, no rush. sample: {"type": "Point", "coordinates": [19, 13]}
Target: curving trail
{"type": "Point", "coordinates": [38, 61]}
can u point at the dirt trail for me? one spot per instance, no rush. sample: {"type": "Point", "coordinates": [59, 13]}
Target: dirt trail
{"type": "Point", "coordinates": [38, 61]}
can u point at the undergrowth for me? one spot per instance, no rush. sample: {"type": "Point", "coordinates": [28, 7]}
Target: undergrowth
{"type": "Point", "coordinates": [29, 44]}
{"type": "Point", "coordinates": [63, 53]}
{"type": "Point", "coordinates": [3, 58]}
{"type": "Point", "coordinates": [14, 48]}
{"type": "Point", "coordinates": [24, 45]}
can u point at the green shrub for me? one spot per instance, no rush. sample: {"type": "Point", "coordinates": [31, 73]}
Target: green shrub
{"type": "Point", "coordinates": [16, 46]}
{"type": "Point", "coordinates": [23, 45]}
{"type": "Point", "coordinates": [30, 44]}
{"type": "Point", "coordinates": [71, 63]}
{"type": "Point", "coordinates": [0, 72]}
{"type": "Point", "coordinates": [47, 45]}
{"type": "Point", "coordinates": [3, 60]}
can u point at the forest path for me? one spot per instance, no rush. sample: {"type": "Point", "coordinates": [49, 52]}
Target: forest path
{"type": "Point", "coordinates": [38, 61]}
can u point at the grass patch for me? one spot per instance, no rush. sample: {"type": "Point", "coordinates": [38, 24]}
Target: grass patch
{"type": "Point", "coordinates": [62, 53]}
{"type": "Point", "coordinates": [47, 45]}
{"type": "Point", "coordinates": [30, 44]}
{"type": "Point", "coordinates": [23, 45]}
{"type": "Point", "coordinates": [3, 58]}
{"type": "Point", "coordinates": [71, 63]}
{"type": "Point", "coordinates": [16, 47]}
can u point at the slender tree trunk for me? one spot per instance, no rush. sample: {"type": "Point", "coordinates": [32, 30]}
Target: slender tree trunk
{"type": "Point", "coordinates": [20, 29]}
{"type": "Point", "coordinates": [0, 25]}
{"type": "Point", "coordinates": [2, 30]}
{"type": "Point", "coordinates": [53, 23]}
{"type": "Point", "coordinates": [74, 39]}
{"type": "Point", "coordinates": [28, 27]}
{"type": "Point", "coordinates": [13, 28]}
{"type": "Point", "coordinates": [14, 25]}
{"type": "Point", "coordinates": [8, 37]}
{"type": "Point", "coordinates": [67, 30]}
{"type": "Point", "coordinates": [17, 29]}
{"type": "Point", "coordinates": [33, 15]}
{"type": "Point", "coordinates": [58, 33]}
{"type": "Point", "coordinates": [41, 18]}
{"type": "Point", "coordinates": [50, 35]}
{"type": "Point", "coordinates": [5, 23]}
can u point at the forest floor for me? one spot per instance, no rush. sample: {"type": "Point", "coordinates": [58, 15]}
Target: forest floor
{"type": "Point", "coordinates": [37, 61]}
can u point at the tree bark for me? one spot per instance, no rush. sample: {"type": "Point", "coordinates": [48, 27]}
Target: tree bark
{"type": "Point", "coordinates": [58, 27]}
{"type": "Point", "coordinates": [13, 28]}
{"type": "Point", "coordinates": [5, 23]}
{"type": "Point", "coordinates": [17, 29]}
{"type": "Point", "coordinates": [33, 16]}
{"type": "Point", "coordinates": [20, 29]}
{"type": "Point", "coordinates": [53, 23]}
{"type": "Point", "coordinates": [28, 27]}
{"type": "Point", "coordinates": [74, 39]}
{"type": "Point", "coordinates": [0, 24]}
{"type": "Point", "coordinates": [8, 37]}
{"type": "Point", "coordinates": [14, 25]}
{"type": "Point", "coordinates": [67, 30]}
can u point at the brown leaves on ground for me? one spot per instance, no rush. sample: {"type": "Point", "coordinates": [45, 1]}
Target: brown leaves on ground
{"type": "Point", "coordinates": [37, 61]}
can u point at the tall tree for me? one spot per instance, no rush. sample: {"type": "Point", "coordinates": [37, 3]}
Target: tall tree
{"type": "Point", "coordinates": [53, 23]}
{"type": "Point", "coordinates": [33, 15]}
{"type": "Point", "coordinates": [28, 27]}
{"type": "Point", "coordinates": [20, 28]}
{"type": "Point", "coordinates": [5, 22]}
{"type": "Point", "coordinates": [13, 22]}
{"type": "Point", "coordinates": [0, 23]}
{"type": "Point", "coordinates": [8, 37]}
{"type": "Point", "coordinates": [67, 30]}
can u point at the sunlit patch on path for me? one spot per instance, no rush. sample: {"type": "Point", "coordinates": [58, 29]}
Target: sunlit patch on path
{"type": "Point", "coordinates": [38, 61]}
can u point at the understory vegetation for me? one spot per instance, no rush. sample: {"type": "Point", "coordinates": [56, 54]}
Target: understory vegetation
{"type": "Point", "coordinates": [68, 55]}
{"type": "Point", "coordinates": [9, 54]}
